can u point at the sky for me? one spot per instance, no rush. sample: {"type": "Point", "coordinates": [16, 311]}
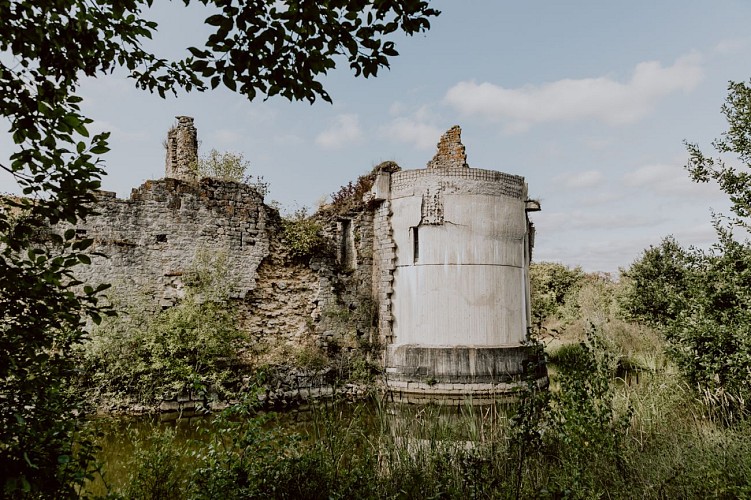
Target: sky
{"type": "Point", "coordinates": [590, 101]}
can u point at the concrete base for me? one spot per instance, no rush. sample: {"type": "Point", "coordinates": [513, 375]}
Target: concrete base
{"type": "Point", "coordinates": [462, 374]}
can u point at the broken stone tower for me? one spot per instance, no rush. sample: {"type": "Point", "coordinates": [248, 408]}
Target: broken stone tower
{"type": "Point", "coordinates": [182, 151]}
{"type": "Point", "coordinates": [458, 291]}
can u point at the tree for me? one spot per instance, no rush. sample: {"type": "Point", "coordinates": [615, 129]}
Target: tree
{"type": "Point", "coordinates": [552, 284]}
{"type": "Point", "coordinates": [261, 47]}
{"type": "Point", "coordinates": [736, 183]}
{"type": "Point", "coordinates": [701, 300]}
{"type": "Point", "coordinates": [658, 283]}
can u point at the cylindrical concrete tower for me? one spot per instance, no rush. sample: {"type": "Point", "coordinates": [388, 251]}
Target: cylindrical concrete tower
{"type": "Point", "coordinates": [460, 291]}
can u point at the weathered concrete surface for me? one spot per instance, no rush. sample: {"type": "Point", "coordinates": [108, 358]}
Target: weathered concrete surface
{"type": "Point", "coordinates": [459, 364]}
{"type": "Point", "coordinates": [459, 289]}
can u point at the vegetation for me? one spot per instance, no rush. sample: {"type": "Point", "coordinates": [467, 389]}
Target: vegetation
{"type": "Point", "coordinates": [146, 356]}
{"type": "Point", "coordinates": [618, 422]}
{"type": "Point", "coordinates": [594, 436]}
{"type": "Point", "coordinates": [736, 183]}
{"type": "Point", "coordinates": [700, 299]}
{"type": "Point", "coordinates": [303, 235]}
{"type": "Point", "coordinates": [229, 166]}
{"type": "Point", "coordinates": [255, 49]}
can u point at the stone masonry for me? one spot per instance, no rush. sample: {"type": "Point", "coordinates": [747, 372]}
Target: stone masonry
{"type": "Point", "coordinates": [182, 150]}
{"type": "Point", "coordinates": [153, 238]}
{"type": "Point", "coordinates": [343, 298]}
{"type": "Point", "coordinates": [451, 151]}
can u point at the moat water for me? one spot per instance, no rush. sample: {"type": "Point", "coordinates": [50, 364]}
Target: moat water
{"type": "Point", "coordinates": [124, 440]}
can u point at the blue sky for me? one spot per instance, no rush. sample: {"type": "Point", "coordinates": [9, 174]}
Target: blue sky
{"type": "Point", "coordinates": [589, 100]}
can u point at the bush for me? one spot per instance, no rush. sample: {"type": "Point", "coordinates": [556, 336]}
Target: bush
{"type": "Point", "coordinates": [657, 284]}
{"type": "Point", "coordinates": [552, 285]}
{"type": "Point", "coordinates": [190, 346]}
{"type": "Point", "coordinates": [701, 302]}
{"type": "Point", "coordinates": [303, 235]}
{"type": "Point", "coordinates": [229, 167]}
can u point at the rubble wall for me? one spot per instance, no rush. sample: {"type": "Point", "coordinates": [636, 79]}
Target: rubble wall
{"type": "Point", "coordinates": [153, 238]}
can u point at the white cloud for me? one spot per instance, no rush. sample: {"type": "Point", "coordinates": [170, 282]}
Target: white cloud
{"type": "Point", "coordinates": [579, 180]}
{"type": "Point", "coordinates": [731, 46]}
{"type": "Point", "coordinates": [413, 131]}
{"type": "Point", "coordinates": [225, 136]}
{"type": "Point", "coordinates": [601, 98]}
{"type": "Point", "coordinates": [597, 143]}
{"type": "Point", "coordinates": [555, 222]}
{"type": "Point", "coordinates": [99, 126]}
{"type": "Point", "coordinates": [346, 129]}
{"type": "Point", "coordinates": [670, 180]}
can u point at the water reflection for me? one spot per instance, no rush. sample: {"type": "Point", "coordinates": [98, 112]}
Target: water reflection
{"type": "Point", "coordinates": [373, 424]}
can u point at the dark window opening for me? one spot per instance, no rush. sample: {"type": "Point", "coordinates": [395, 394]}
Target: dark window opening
{"type": "Point", "coordinates": [415, 244]}
{"type": "Point", "coordinates": [346, 251]}
{"type": "Point", "coordinates": [161, 238]}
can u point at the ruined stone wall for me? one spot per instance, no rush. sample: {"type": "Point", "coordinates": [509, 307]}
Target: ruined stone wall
{"type": "Point", "coordinates": [151, 239]}
{"type": "Point", "coordinates": [451, 152]}
{"type": "Point", "coordinates": [182, 150]}
{"type": "Point", "coordinates": [384, 250]}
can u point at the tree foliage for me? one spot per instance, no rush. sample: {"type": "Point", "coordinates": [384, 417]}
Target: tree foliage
{"type": "Point", "coordinates": [701, 299]}
{"type": "Point", "coordinates": [658, 283]}
{"type": "Point", "coordinates": [225, 166]}
{"type": "Point", "coordinates": [261, 47]}
{"type": "Point", "coordinates": [735, 182]}
{"type": "Point", "coordinates": [551, 284]}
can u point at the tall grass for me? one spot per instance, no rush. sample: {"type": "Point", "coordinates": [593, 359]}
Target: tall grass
{"type": "Point", "coordinates": [618, 422]}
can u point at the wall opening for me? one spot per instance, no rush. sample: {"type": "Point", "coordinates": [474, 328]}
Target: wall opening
{"type": "Point", "coordinates": [161, 238]}
{"type": "Point", "coordinates": [346, 252]}
{"type": "Point", "coordinates": [415, 244]}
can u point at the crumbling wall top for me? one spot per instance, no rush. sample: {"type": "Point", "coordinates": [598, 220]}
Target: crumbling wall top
{"type": "Point", "coordinates": [182, 150]}
{"type": "Point", "coordinates": [451, 151]}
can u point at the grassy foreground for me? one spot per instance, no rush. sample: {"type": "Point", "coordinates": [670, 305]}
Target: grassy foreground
{"type": "Point", "coordinates": [618, 422]}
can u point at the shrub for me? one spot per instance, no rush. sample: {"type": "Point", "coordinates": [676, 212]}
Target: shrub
{"type": "Point", "coordinates": [657, 284]}
{"type": "Point", "coordinates": [229, 166]}
{"type": "Point", "coordinates": [303, 235]}
{"type": "Point", "coordinates": [187, 347]}
{"type": "Point", "coordinates": [552, 284]}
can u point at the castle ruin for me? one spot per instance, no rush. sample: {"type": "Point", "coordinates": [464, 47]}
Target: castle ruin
{"type": "Point", "coordinates": [433, 262]}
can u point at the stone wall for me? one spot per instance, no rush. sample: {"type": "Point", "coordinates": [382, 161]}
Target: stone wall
{"type": "Point", "coordinates": [153, 238]}
{"type": "Point", "coordinates": [451, 152]}
{"type": "Point", "coordinates": [145, 246]}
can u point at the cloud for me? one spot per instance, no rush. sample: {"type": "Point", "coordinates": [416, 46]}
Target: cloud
{"type": "Point", "coordinates": [225, 136]}
{"type": "Point", "coordinates": [579, 180]}
{"type": "Point", "coordinates": [346, 129]}
{"type": "Point", "coordinates": [555, 222]}
{"type": "Point", "coordinates": [602, 98]}
{"type": "Point", "coordinates": [731, 46]}
{"type": "Point", "coordinates": [413, 131]}
{"type": "Point", "coordinates": [99, 126]}
{"type": "Point", "coordinates": [670, 180]}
